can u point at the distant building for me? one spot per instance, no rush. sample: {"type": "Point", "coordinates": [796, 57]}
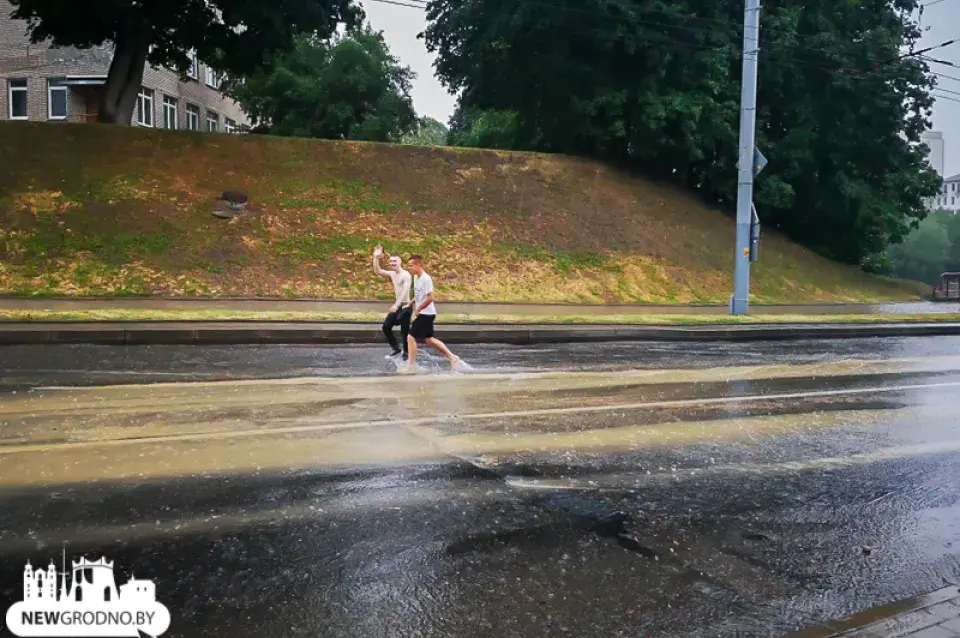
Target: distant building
{"type": "Point", "coordinates": [39, 83]}
{"type": "Point", "coordinates": [949, 197]}
{"type": "Point", "coordinates": [934, 140]}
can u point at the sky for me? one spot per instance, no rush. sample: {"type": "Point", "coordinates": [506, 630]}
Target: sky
{"type": "Point", "coordinates": [401, 24]}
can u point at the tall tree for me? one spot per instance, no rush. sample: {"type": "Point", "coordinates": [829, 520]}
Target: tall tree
{"type": "Point", "coordinates": [428, 132]}
{"type": "Point", "coordinates": [925, 253]}
{"type": "Point", "coordinates": [654, 85]}
{"type": "Point", "coordinates": [348, 87]}
{"type": "Point", "coordinates": [233, 36]}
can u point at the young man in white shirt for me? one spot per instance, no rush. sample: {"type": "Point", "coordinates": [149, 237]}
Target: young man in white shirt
{"type": "Point", "coordinates": [424, 313]}
{"type": "Point", "coordinates": [401, 310]}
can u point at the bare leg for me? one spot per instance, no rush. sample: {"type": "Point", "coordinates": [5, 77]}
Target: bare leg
{"type": "Point", "coordinates": [444, 350]}
{"type": "Point", "coordinates": [412, 350]}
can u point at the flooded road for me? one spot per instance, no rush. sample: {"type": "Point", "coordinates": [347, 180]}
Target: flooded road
{"type": "Point", "coordinates": [612, 490]}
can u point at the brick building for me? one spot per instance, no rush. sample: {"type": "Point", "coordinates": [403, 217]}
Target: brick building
{"type": "Point", "coordinates": [39, 83]}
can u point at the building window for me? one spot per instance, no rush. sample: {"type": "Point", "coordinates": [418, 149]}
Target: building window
{"type": "Point", "coordinates": [194, 70]}
{"type": "Point", "coordinates": [229, 126]}
{"type": "Point", "coordinates": [17, 100]}
{"type": "Point", "coordinates": [56, 100]}
{"type": "Point", "coordinates": [210, 77]}
{"type": "Point", "coordinates": [213, 121]}
{"type": "Point", "coordinates": [193, 117]}
{"type": "Point", "coordinates": [145, 107]}
{"type": "Point", "coordinates": [169, 113]}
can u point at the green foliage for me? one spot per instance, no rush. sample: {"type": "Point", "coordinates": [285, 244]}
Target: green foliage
{"type": "Point", "coordinates": [175, 27]}
{"type": "Point", "coordinates": [485, 129]}
{"type": "Point", "coordinates": [930, 250]}
{"type": "Point", "coordinates": [428, 132]}
{"type": "Point", "coordinates": [233, 36]}
{"type": "Point", "coordinates": [348, 87]}
{"type": "Point", "coordinates": [654, 86]}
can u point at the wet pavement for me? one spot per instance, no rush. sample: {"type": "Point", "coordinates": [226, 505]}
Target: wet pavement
{"type": "Point", "coordinates": [575, 490]}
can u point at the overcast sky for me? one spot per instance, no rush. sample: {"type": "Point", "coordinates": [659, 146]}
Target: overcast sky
{"type": "Point", "coordinates": [400, 26]}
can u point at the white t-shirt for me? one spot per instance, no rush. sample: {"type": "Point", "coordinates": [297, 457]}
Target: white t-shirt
{"type": "Point", "coordinates": [423, 286]}
{"type": "Point", "coordinates": [401, 285]}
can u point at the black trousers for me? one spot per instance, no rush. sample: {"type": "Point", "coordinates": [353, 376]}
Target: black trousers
{"type": "Point", "coordinates": [400, 318]}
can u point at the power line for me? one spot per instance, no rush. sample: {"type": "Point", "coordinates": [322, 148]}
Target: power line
{"type": "Point", "coordinates": [402, 4]}
{"type": "Point", "coordinates": [945, 76]}
{"type": "Point", "coordinates": [946, 97]}
{"type": "Point", "coordinates": [936, 61]}
{"type": "Point", "coordinates": [947, 91]}
{"type": "Point", "coordinates": [930, 4]}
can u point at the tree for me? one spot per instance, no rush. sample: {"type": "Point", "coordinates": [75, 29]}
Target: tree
{"type": "Point", "coordinates": [925, 253]}
{"type": "Point", "coordinates": [485, 129]}
{"type": "Point", "coordinates": [232, 36]}
{"type": "Point", "coordinates": [348, 87]}
{"type": "Point", "coordinates": [654, 86]}
{"type": "Point", "coordinates": [428, 132]}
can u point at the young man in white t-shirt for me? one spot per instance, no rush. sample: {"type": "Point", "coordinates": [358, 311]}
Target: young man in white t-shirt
{"type": "Point", "coordinates": [424, 313]}
{"type": "Point", "coordinates": [401, 310]}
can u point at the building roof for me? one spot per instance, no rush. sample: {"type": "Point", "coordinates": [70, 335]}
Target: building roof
{"type": "Point", "coordinates": [955, 178]}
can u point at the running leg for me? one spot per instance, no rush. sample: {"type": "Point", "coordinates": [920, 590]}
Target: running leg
{"type": "Point", "coordinates": [388, 323]}
{"type": "Point", "coordinates": [444, 350]}
{"type": "Point", "coordinates": [412, 350]}
{"type": "Point", "coordinates": [404, 318]}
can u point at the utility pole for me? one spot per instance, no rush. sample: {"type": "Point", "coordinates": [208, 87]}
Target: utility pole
{"type": "Point", "coordinates": [748, 123]}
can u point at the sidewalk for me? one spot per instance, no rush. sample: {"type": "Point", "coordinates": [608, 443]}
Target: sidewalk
{"type": "Point", "coordinates": [935, 615]}
{"type": "Point", "coordinates": [324, 333]}
{"type": "Point", "coordinates": [470, 308]}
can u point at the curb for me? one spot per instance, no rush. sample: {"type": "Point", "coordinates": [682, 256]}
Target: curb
{"type": "Point", "coordinates": [226, 333]}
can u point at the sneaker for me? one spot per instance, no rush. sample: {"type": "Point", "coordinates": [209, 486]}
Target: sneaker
{"type": "Point", "coordinates": [392, 355]}
{"type": "Point", "coordinates": [406, 357]}
{"type": "Point", "coordinates": [407, 369]}
{"type": "Point", "coordinates": [459, 365]}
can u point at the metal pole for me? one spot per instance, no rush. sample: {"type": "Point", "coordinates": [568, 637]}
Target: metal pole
{"type": "Point", "coordinates": [748, 121]}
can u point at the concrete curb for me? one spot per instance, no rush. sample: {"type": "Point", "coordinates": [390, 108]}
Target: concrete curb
{"type": "Point", "coordinates": [450, 308]}
{"type": "Point", "coordinates": [246, 333]}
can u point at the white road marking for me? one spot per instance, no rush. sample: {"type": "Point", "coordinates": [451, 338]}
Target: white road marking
{"type": "Point", "coordinates": [302, 429]}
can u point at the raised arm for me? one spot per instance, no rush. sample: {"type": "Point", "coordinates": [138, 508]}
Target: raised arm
{"type": "Point", "coordinates": [377, 254]}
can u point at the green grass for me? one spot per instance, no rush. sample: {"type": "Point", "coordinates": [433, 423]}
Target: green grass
{"type": "Point", "coordinates": [51, 240]}
{"type": "Point", "coordinates": [563, 262]}
{"type": "Point", "coordinates": [89, 209]}
{"type": "Point", "coordinates": [300, 249]}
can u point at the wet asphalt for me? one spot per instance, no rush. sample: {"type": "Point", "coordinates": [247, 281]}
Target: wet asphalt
{"type": "Point", "coordinates": [574, 490]}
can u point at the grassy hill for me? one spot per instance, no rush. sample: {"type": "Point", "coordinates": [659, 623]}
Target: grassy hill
{"type": "Point", "coordinates": [96, 210]}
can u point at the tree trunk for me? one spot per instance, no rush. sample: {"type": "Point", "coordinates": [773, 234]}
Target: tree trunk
{"type": "Point", "coordinates": [126, 74]}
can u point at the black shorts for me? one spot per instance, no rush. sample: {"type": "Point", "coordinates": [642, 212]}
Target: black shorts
{"type": "Point", "coordinates": [422, 327]}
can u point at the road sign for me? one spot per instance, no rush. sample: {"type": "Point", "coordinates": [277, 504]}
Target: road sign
{"type": "Point", "coordinates": [759, 161]}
